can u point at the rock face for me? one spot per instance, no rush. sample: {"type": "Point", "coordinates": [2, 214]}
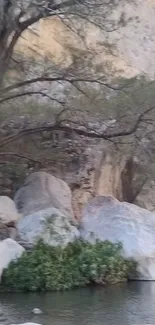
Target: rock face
{"type": "Point", "coordinates": [42, 190]}
{"type": "Point", "coordinates": [50, 225]}
{"type": "Point", "coordinates": [9, 251]}
{"type": "Point", "coordinates": [106, 218]}
{"type": "Point", "coordinates": [8, 211]}
{"type": "Point", "coordinates": [134, 40]}
{"type": "Point", "coordinates": [146, 198]}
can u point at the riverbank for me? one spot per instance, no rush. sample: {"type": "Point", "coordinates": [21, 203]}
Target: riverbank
{"type": "Point", "coordinates": [79, 264]}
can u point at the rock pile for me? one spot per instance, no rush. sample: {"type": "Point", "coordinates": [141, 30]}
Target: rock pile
{"type": "Point", "coordinates": [45, 212]}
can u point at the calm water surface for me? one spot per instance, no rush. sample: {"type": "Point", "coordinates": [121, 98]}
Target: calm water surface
{"type": "Point", "coordinates": [125, 304]}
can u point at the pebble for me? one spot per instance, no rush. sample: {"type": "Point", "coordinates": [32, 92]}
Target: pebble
{"type": "Point", "coordinates": [37, 311]}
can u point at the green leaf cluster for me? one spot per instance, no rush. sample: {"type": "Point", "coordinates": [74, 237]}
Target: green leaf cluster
{"type": "Point", "coordinates": [80, 263]}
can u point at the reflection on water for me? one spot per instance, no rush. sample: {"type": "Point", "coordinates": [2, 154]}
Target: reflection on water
{"type": "Point", "coordinates": [126, 304]}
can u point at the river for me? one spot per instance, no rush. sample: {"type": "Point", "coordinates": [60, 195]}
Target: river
{"type": "Point", "coordinates": [125, 304]}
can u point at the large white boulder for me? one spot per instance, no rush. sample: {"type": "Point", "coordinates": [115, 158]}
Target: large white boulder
{"type": "Point", "coordinates": [105, 218]}
{"type": "Point", "coordinates": [8, 210]}
{"type": "Point", "coordinates": [42, 190]}
{"type": "Point", "coordinates": [9, 251]}
{"type": "Point", "coordinates": [50, 225]}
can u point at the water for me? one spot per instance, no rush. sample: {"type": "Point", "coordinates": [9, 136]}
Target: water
{"type": "Point", "coordinates": [126, 304]}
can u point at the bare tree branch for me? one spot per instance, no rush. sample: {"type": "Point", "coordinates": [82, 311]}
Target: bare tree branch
{"type": "Point", "coordinates": [19, 156]}
{"type": "Point", "coordinates": [78, 130]}
{"type": "Point", "coordinates": [30, 93]}
{"type": "Point", "coordinates": [70, 80]}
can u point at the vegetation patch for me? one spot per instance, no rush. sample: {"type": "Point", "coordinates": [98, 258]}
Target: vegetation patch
{"type": "Point", "coordinates": [79, 264]}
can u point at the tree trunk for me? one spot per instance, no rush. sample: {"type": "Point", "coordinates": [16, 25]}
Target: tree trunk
{"type": "Point", "coordinates": [7, 26]}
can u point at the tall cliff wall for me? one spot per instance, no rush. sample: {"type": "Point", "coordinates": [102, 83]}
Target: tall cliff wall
{"type": "Point", "coordinates": [128, 50]}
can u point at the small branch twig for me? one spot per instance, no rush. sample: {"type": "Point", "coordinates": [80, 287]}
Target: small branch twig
{"type": "Point", "coordinates": [30, 93]}
{"type": "Point", "coordinates": [19, 156]}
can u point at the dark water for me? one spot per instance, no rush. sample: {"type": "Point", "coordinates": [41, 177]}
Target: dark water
{"type": "Point", "coordinates": [125, 304]}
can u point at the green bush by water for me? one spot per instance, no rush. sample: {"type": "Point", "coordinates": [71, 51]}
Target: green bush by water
{"type": "Point", "coordinates": [48, 268]}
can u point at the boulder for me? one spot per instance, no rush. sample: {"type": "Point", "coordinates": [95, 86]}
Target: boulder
{"type": "Point", "coordinates": [50, 225]}
{"type": "Point", "coordinates": [42, 190]}
{"type": "Point", "coordinates": [9, 251]}
{"type": "Point", "coordinates": [4, 231]}
{"type": "Point", "coordinates": [7, 231]}
{"type": "Point", "coordinates": [105, 218]}
{"type": "Point", "coordinates": [12, 233]}
{"type": "Point", "coordinates": [8, 210]}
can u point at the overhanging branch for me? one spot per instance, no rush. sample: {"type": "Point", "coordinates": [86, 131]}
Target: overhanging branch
{"type": "Point", "coordinates": [19, 156]}
{"type": "Point", "coordinates": [70, 80]}
{"type": "Point", "coordinates": [30, 93]}
{"type": "Point", "coordinates": [79, 131]}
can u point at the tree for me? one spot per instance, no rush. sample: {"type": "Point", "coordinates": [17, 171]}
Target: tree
{"type": "Point", "coordinates": [133, 122]}
{"type": "Point", "coordinates": [18, 15]}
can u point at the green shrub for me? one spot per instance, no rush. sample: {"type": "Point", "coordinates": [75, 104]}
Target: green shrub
{"type": "Point", "coordinates": [48, 268]}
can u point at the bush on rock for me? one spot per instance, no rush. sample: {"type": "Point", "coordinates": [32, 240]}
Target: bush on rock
{"type": "Point", "coordinates": [80, 263]}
